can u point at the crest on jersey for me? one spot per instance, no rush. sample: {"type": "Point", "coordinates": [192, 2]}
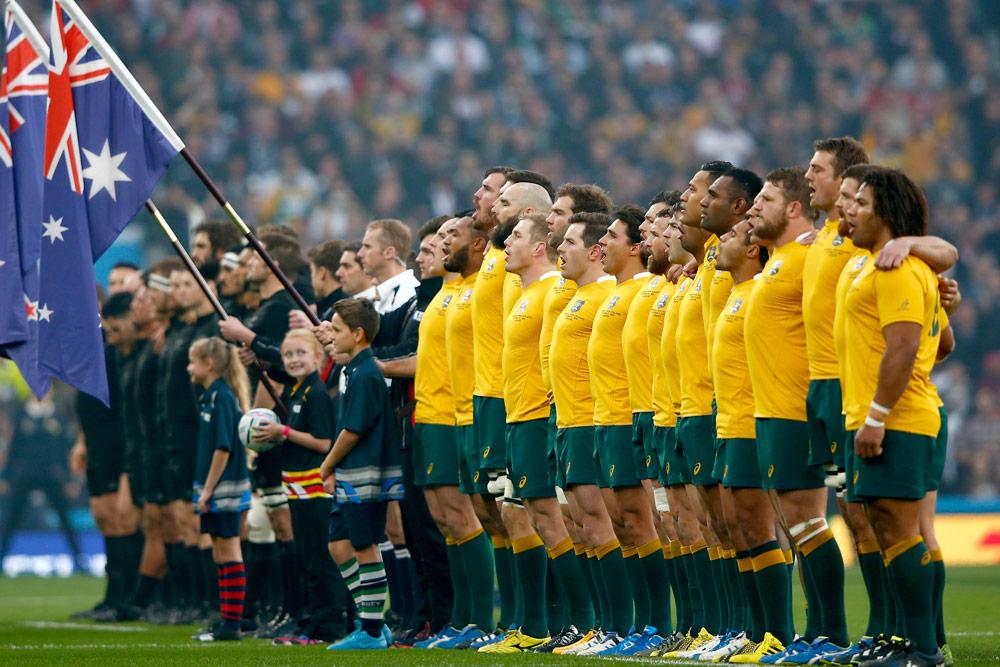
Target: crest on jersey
{"type": "Point", "coordinates": [737, 304]}
{"type": "Point", "coordinates": [653, 282]}
{"type": "Point", "coordinates": [838, 240]}
{"type": "Point", "coordinates": [712, 252]}
{"type": "Point", "coordinates": [467, 294]}
{"type": "Point", "coordinates": [521, 307]}
{"type": "Point", "coordinates": [561, 282]}
{"type": "Point", "coordinates": [490, 265]}
{"type": "Point", "coordinates": [663, 301]}
{"type": "Point", "coordinates": [773, 271]}
{"type": "Point", "coordinates": [446, 301]}
{"type": "Point", "coordinates": [697, 287]}
{"type": "Point", "coordinates": [613, 301]}
{"type": "Point", "coordinates": [861, 262]}
{"type": "Point", "coordinates": [577, 305]}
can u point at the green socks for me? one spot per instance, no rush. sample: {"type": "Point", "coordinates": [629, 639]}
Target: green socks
{"type": "Point", "coordinates": [531, 563]}
{"type": "Point", "coordinates": [755, 608]}
{"type": "Point", "coordinates": [937, 560]}
{"type": "Point", "coordinates": [874, 575]}
{"type": "Point", "coordinates": [506, 582]}
{"type": "Point", "coordinates": [460, 602]}
{"type": "Point", "coordinates": [565, 564]}
{"type": "Point", "coordinates": [611, 563]}
{"type": "Point", "coordinates": [640, 591]}
{"type": "Point", "coordinates": [477, 559]}
{"type": "Point", "coordinates": [772, 574]}
{"type": "Point", "coordinates": [656, 575]}
{"type": "Point", "coordinates": [710, 589]}
{"type": "Point", "coordinates": [909, 565]}
{"type": "Point", "coordinates": [824, 565]}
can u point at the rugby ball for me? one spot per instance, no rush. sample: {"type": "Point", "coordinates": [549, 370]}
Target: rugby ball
{"type": "Point", "coordinates": [254, 418]}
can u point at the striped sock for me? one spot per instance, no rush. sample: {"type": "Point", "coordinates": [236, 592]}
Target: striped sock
{"type": "Point", "coordinates": [371, 609]}
{"type": "Point", "coordinates": [349, 572]}
{"type": "Point", "coordinates": [232, 592]}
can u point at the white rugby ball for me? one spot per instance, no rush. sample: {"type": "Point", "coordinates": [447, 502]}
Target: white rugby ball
{"type": "Point", "coordinates": [254, 418]}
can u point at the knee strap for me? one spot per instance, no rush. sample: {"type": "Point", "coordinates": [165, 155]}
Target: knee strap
{"type": "Point", "coordinates": [808, 529]}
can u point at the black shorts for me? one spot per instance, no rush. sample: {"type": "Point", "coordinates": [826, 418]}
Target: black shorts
{"type": "Point", "coordinates": [268, 472]}
{"type": "Point", "coordinates": [180, 470]}
{"type": "Point", "coordinates": [104, 467]}
{"type": "Point", "coordinates": [221, 524]}
{"type": "Point", "coordinates": [361, 523]}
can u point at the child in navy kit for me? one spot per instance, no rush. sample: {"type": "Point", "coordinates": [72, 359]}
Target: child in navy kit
{"type": "Point", "coordinates": [222, 483]}
{"type": "Point", "coordinates": [306, 436]}
{"type": "Point", "coordinates": [363, 472]}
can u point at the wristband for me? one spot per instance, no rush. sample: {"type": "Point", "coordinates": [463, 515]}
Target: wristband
{"type": "Point", "coordinates": [285, 431]}
{"type": "Point", "coordinates": [871, 421]}
{"type": "Point", "coordinates": [878, 407]}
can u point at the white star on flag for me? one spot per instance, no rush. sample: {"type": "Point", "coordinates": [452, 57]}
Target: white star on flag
{"type": "Point", "coordinates": [103, 171]}
{"type": "Point", "coordinates": [44, 313]}
{"type": "Point", "coordinates": [54, 229]}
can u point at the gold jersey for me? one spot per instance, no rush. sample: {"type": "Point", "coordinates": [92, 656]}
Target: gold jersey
{"type": "Point", "coordinates": [776, 338]}
{"type": "Point", "coordinates": [668, 344]}
{"type": "Point", "coordinates": [608, 378]}
{"type": "Point", "coordinates": [635, 345]}
{"type": "Point", "coordinates": [524, 395]}
{"type": "Point", "coordinates": [459, 343]}
{"type": "Point", "coordinates": [487, 324]}
{"type": "Point", "coordinates": [432, 380]}
{"type": "Point", "coordinates": [557, 298]}
{"type": "Point", "coordinates": [663, 407]}
{"type": "Point", "coordinates": [568, 355]}
{"type": "Point", "coordinates": [730, 373]}
{"type": "Point", "coordinates": [824, 263]}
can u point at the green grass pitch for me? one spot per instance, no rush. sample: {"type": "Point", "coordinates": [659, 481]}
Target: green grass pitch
{"type": "Point", "coordinates": [34, 630]}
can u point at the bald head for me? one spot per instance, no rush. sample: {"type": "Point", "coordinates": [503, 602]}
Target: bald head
{"type": "Point", "coordinates": [520, 199]}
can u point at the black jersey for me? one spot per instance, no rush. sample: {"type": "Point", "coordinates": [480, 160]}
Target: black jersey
{"type": "Point", "coordinates": [101, 425]}
{"type": "Point", "coordinates": [144, 395]}
{"type": "Point", "coordinates": [270, 323]}
{"type": "Point", "coordinates": [310, 410]}
{"type": "Point", "coordinates": [130, 398]}
{"type": "Point", "coordinates": [177, 399]}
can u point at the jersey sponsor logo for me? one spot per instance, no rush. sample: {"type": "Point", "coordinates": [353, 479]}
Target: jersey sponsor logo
{"type": "Point", "coordinates": [577, 305]}
{"type": "Point", "coordinates": [521, 482]}
{"type": "Point", "coordinates": [773, 271]}
{"type": "Point", "coordinates": [858, 265]}
{"type": "Point", "coordinates": [838, 240]}
{"type": "Point", "coordinates": [446, 301]}
{"type": "Point", "coordinates": [737, 304]}
{"type": "Point", "coordinates": [561, 282]}
{"type": "Point", "coordinates": [662, 302]}
{"type": "Point", "coordinates": [467, 294]}
{"type": "Point", "coordinates": [653, 282]}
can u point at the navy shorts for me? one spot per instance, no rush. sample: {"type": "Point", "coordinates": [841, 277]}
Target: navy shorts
{"type": "Point", "coordinates": [361, 523]}
{"type": "Point", "coordinates": [221, 524]}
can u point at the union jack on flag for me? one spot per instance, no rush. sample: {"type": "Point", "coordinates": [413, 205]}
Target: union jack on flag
{"type": "Point", "coordinates": [23, 86]}
{"type": "Point", "coordinates": [103, 157]}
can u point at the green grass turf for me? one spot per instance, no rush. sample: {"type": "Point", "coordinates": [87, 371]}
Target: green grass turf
{"type": "Point", "coordinates": [34, 630]}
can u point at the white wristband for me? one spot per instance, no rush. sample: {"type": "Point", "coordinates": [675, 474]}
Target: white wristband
{"type": "Point", "coordinates": [871, 421]}
{"type": "Point", "coordinates": [878, 407]}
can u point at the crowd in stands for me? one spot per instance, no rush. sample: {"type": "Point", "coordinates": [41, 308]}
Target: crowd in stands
{"type": "Point", "coordinates": [324, 115]}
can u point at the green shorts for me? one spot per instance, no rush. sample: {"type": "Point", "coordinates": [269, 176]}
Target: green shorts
{"type": "Point", "coordinates": [783, 455]}
{"type": "Point", "coordinates": [575, 462]}
{"type": "Point", "coordinates": [674, 470]}
{"type": "Point", "coordinates": [902, 470]}
{"type": "Point", "coordinates": [719, 464]}
{"type": "Point", "coordinates": [550, 446]}
{"type": "Point", "coordinates": [824, 405]}
{"type": "Point", "coordinates": [940, 453]}
{"type": "Point", "coordinates": [642, 443]}
{"type": "Point", "coordinates": [616, 456]}
{"type": "Point", "coordinates": [696, 440]}
{"type": "Point", "coordinates": [489, 421]}
{"type": "Point", "coordinates": [470, 480]}
{"type": "Point", "coordinates": [740, 470]}
{"type": "Point", "coordinates": [439, 447]}
{"type": "Point", "coordinates": [529, 460]}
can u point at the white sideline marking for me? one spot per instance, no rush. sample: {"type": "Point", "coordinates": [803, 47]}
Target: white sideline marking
{"type": "Point", "coordinates": [82, 626]}
{"type": "Point", "coordinates": [84, 647]}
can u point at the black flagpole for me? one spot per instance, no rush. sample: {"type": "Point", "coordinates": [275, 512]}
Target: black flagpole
{"type": "Point", "coordinates": [249, 235]}
{"type": "Point", "coordinates": [214, 300]}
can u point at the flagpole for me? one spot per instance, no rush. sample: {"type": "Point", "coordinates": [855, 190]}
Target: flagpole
{"type": "Point", "coordinates": [157, 118]}
{"type": "Point", "coordinates": [214, 300]}
{"type": "Point", "coordinates": [28, 28]}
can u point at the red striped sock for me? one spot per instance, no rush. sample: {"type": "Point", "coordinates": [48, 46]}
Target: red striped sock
{"type": "Point", "coordinates": [232, 592]}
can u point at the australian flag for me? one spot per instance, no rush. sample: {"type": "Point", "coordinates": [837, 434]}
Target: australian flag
{"type": "Point", "coordinates": [24, 83]}
{"type": "Point", "coordinates": [102, 159]}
